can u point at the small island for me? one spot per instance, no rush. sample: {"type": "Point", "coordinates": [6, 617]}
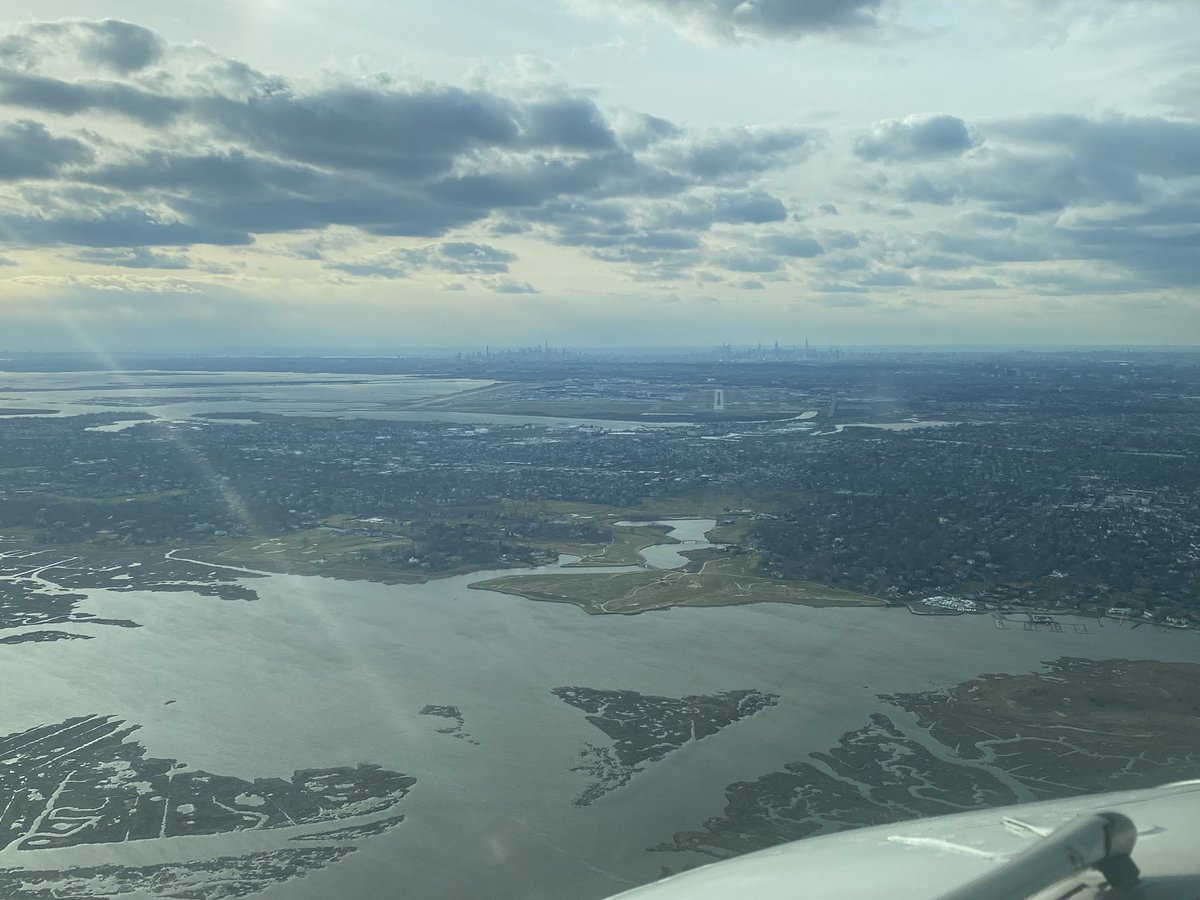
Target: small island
{"type": "Point", "coordinates": [645, 728]}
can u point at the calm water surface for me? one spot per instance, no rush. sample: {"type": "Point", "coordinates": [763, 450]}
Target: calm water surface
{"type": "Point", "coordinates": [320, 673]}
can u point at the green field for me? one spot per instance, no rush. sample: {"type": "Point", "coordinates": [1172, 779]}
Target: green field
{"type": "Point", "coordinates": [625, 548]}
{"type": "Point", "coordinates": [724, 581]}
{"type": "Point", "coordinates": [318, 552]}
{"type": "Point", "coordinates": [379, 548]}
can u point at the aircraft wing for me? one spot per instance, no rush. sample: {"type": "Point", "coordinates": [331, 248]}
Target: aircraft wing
{"type": "Point", "coordinates": [1045, 850]}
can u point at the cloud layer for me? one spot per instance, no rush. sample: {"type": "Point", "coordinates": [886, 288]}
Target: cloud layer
{"type": "Point", "coordinates": [122, 150]}
{"type": "Point", "coordinates": [749, 20]}
{"type": "Point", "coordinates": [175, 146]}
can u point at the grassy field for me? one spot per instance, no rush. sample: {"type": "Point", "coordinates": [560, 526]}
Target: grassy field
{"type": "Point", "coordinates": [627, 540]}
{"type": "Point", "coordinates": [378, 549]}
{"type": "Point", "coordinates": [733, 533]}
{"type": "Point", "coordinates": [317, 553]}
{"type": "Point", "coordinates": [725, 581]}
{"type": "Point", "coordinates": [625, 548]}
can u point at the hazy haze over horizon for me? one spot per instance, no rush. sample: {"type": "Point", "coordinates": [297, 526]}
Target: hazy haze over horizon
{"type": "Point", "coordinates": [599, 173]}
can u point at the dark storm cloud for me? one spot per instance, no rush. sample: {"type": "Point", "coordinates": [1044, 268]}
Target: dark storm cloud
{"type": "Point", "coordinates": [739, 20]}
{"type": "Point", "coordinates": [915, 138]}
{"type": "Point", "coordinates": [28, 150]}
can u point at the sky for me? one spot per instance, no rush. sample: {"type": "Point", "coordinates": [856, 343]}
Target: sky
{"type": "Point", "coordinates": [378, 173]}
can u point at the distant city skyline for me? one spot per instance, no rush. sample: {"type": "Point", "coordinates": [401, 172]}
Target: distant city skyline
{"type": "Point", "coordinates": [598, 173]}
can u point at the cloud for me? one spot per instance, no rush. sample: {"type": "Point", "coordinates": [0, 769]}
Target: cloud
{"type": "Point", "coordinates": [887, 278]}
{"type": "Point", "coordinates": [993, 248]}
{"type": "Point", "coordinates": [121, 226]}
{"type": "Point", "coordinates": [1117, 191]}
{"type": "Point", "coordinates": [920, 189]}
{"type": "Point", "coordinates": [1168, 148]}
{"type": "Point", "coordinates": [752, 20]}
{"type": "Point", "coordinates": [794, 245]}
{"type": "Point", "coordinates": [1170, 259]}
{"type": "Point", "coordinates": [402, 134]}
{"type": "Point", "coordinates": [231, 154]}
{"type": "Point", "coordinates": [571, 122]}
{"type": "Point", "coordinates": [120, 47]}
{"type": "Point", "coordinates": [28, 150]}
{"type": "Point", "coordinates": [989, 221]}
{"type": "Point", "coordinates": [970, 283]}
{"type": "Point", "coordinates": [381, 268]}
{"type": "Point", "coordinates": [721, 154]}
{"type": "Point", "coordinates": [120, 146]}
{"type": "Point", "coordinates": [114, 284]}
{"type": "Point", "coordinates": [504, 286]}
{"type": "Point", "coordinates": [737, 261]}
{"type": "Point", "coordinates": [53, 95]}
{"type": "Point", "coordinates": [916, 138]}
{"type": "Point", "coordinates": [845, 263]}
{"type": "Point", "coordinates": [732, 207]}
{"type": "Point", "coordinates": [455, 257]}
{"type": "Point", "coordinates": [1042, 164]}
{"type": "Point", "coordinates": [467, 256]}
{"type": "Point", "coordinates": [840, 240]}
{"type": "Point", "coordinates": [134, 258]}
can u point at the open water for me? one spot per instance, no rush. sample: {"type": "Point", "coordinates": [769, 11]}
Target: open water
{"type": "Point", "coordinates": [321, 673]}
